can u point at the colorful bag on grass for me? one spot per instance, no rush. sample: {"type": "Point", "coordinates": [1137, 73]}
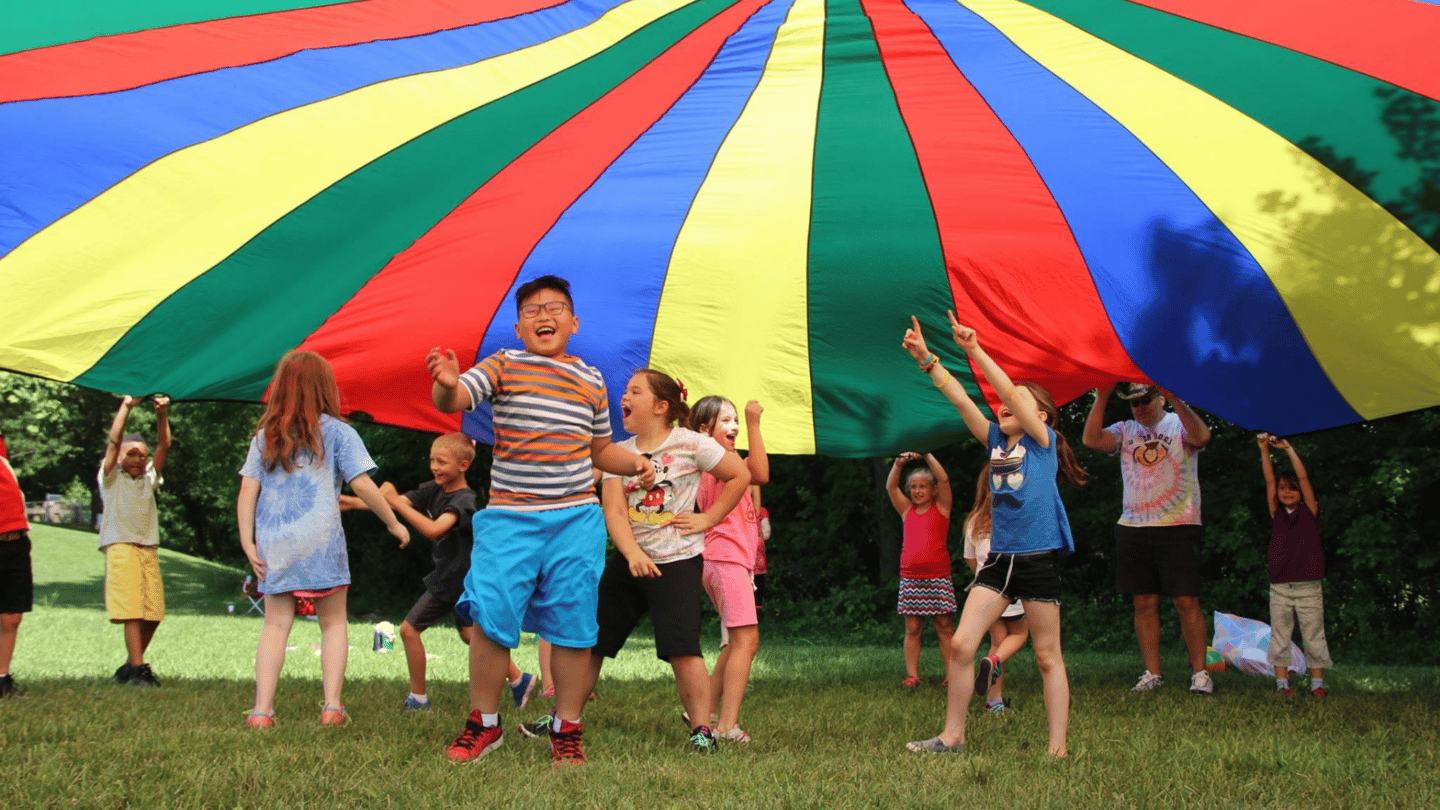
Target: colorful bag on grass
{"type": "Point", "coordinates": [1245, 643]}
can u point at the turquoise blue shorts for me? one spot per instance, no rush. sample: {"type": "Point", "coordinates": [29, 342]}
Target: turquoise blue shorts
{"type": "Point", "coordinates": [538, 572]}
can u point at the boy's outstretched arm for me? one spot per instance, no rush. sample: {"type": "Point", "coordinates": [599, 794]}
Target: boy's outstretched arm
{"type": "Point", "coordinates": [736, 476]}
{"type": "Point", "coordinates": [617, 524]}
{"type": "Point", "coordinates": [914, 343]}
{"type": "Point", "coordinates": [1096, 437]}
{"type": "Point", "coordinates": [616, 460]}
{"type": "Point", "coordinates": [117, 434]}
{"type": "Point", "coordinates": [351, 503]}
{"type": "Point", "coordinates": [757, 460]}
{"type": "Point", "coordinates": [1266, 467]}
{"type": "Point", "coordinates": [431, 529]}
{"type": "Point", "coordinates": [447, 393]}
{"type": "Point", "coordinates": [162, 432]}
{"type": "Point", "coordinates": [969, 342]}
{"type": "Point", "coordinates": [1307, 492]}
{"type": "Point", "coordinates": [370, 494]}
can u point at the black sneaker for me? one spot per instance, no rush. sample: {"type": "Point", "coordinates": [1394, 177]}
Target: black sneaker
{"type": "Point", "coordinates": [7, 687]}
{"type": "Point", "coordinates": [702, 741]}
{"type": "Point", "coordinates": [143, 676]}
{"type": "Point", "coordinates": [124, 673]}
{"type": "Point", "coordinates": [539, 727]}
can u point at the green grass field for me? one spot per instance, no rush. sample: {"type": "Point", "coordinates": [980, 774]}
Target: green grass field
{"type": "Point", "coordinates": [829, 723]}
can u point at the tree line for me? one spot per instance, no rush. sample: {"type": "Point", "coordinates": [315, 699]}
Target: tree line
{"type": "Point", "coordinates": [834, 554]}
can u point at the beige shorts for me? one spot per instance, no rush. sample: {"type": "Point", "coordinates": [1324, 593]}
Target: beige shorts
{"type": "Point", "coordinates": [133, 588]}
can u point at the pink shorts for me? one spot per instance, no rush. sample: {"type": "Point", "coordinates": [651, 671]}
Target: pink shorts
{"type": "Point", "coordinates": [733, 591]}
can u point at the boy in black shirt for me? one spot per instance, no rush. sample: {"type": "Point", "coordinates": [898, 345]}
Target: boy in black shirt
{"type": "Point", "coordinates": [441, 510]}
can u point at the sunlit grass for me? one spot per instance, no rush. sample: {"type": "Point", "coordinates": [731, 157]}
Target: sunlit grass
{"type": "Point", "coordinates": [829, 722]}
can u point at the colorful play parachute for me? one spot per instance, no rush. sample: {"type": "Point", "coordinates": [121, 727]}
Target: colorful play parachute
{"type": "Point", "coordinates": [754, 195]}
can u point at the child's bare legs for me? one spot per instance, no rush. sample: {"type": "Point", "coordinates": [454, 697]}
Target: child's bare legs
{"type": "Point", "coordinates": [572, 670]}
{"type": "Point", "coordinates": [270, 652]}
{"type": "Point", "coordinates": [547, 677]}
{"type": "Point", "coordinates": [944, 631]}
{"type": "Point", "coordinates": [415, 656]}
{"type": "Point", "coordinates": [692, 681]}
{"type": "Point", "coordinates": [732, 674]}
{"type": "Point", "coordinates": [488, 664]}
{"type": "Point", "coordinates": [9, 631]}
{"type": "Point", "coordinates": [913, 627]}
{"type": "Point", "coordinates": [138, 634]}
{"type": "Point", "coordinates": [334, 644]}
{"type": "Point", "coordinates": [1044, 618]}
{"type": "Point", "coordinates": [1012, 637]}
{"type": "Point", "coordinates": [982, 607]}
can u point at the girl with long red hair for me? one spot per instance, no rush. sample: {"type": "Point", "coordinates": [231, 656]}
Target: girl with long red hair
{"type": "Point", "coordinates": [289, 515]}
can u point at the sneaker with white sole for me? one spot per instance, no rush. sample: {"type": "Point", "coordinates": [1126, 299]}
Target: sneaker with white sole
{"type": "Point", "coordinates": [539, 727]}
{"type": "Point", "coordinates": [1202, 684]}
{"type": "Point", "coordinates": [475, 741]}
{"type": "Point", "coordinates": [1149, 682]}
{"type": "Point", "coordinates": [522, 691]}
{"type": "Point", "coordinates": [417, 705]}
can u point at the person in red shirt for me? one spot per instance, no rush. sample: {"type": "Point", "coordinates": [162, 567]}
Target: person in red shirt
{"type": "Point", "coordinates": [17, 582]}
{"type": "Point", "coordinates": [926, 588]}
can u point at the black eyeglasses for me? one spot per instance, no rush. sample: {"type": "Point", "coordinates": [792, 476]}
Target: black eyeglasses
{"type": "Point", "coordinates": [1142, 400]}
{"type": "Point", "coordinates": [551, 307]}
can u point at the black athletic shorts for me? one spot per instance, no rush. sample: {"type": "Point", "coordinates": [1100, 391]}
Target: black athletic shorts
{"type": "Point", "coordinates": [672, 600]}
{"type": "Point", "coordinates": [1033, 575]}
{"type": "Point", "coordinates": [1163, 560]}
{"type": "Point", "coordinates": [17, 581]}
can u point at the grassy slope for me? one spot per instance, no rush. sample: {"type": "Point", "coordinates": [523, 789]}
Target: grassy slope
{"type": "Point", "coordinates": [829, 724]}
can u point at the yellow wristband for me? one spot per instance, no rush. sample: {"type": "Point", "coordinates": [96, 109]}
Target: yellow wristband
{"type": "Point", "coordinates": [940, 383]}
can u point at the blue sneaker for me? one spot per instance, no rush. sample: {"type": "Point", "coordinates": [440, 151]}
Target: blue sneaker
{"type": "Point", "coordinates": [412, 703]}
{"type": "Point", "coordinates": [524, 689]}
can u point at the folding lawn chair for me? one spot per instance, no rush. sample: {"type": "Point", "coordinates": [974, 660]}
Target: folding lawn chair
{"type": "Point", "coordinates": [253, 596]}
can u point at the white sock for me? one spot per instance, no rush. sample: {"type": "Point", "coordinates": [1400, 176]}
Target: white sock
{"type": "Point", "coordinates": [488, 720]}
{"type": "Point", "coordinates": [420, 697]}
{"type": "Point", "coordinates": [1282, 683]}
{"type": "Point", "coordinates": [1317, 683]}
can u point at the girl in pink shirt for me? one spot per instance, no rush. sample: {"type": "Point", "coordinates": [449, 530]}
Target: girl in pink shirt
{"type": "Point", "coordinates": [730, 548]}
{"type": "Point", "coordinates": [926, 588]}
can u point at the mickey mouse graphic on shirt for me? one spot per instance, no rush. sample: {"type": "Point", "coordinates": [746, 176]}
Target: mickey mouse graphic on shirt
{"type": "Point", "coordinates": [654, 506]}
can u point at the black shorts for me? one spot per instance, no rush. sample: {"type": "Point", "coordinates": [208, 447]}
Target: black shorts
{"type": "Point", "coordinates": [17, 581]}
{"type": "Point", "coordinates": [672, 600]}
{"type": "Point", "coordinates": [429, 611]}
{"type": "Point", "coordinates": [1163, 560]}
{"type": "Point", "coordinates": [1033, 576]}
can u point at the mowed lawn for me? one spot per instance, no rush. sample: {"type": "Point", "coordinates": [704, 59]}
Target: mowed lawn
{"type": "Point", "coordinates": [829, 721]}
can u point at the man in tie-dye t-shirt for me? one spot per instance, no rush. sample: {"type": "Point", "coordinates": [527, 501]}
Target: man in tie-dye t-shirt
{"type": "Point", "coordinates": [1157, 540]}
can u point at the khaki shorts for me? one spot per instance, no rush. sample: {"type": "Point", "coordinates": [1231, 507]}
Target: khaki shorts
{"type": "Point", "coordinates": [133, 588]}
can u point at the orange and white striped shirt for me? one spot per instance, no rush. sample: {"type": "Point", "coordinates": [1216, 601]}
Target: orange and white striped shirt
{"type": "Point", "coordinates": [547, 411]}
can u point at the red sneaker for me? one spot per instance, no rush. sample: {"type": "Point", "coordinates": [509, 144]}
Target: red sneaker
{"type": "Point", "coordinates": [475, 741]}
{"type": "Point", "coordinates": [565, 745]}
